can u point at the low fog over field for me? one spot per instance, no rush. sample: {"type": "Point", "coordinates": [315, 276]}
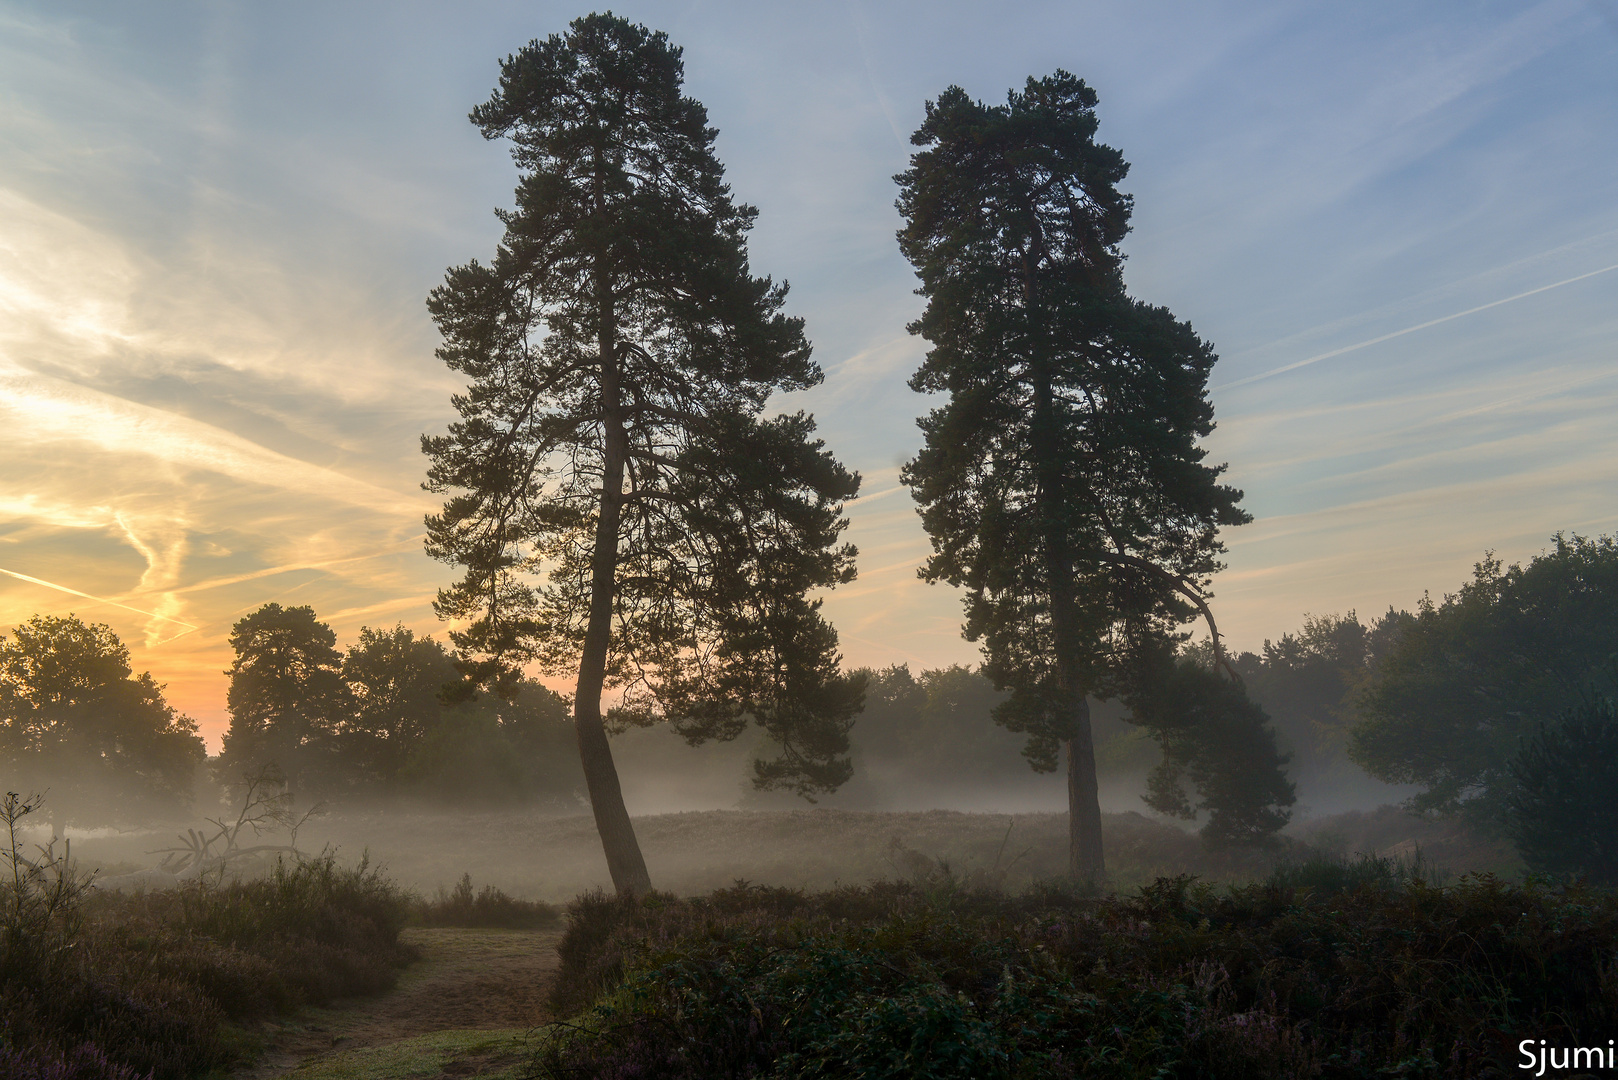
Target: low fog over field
{"type": "Point", "coordinates": [983, 816]}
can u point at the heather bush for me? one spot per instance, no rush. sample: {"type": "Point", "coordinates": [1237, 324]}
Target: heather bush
{"type": "Point", "coordinates": [327, 930]}
{"type": "Point", "coordinates": [83, 1062]}
{"type": "Point", "coordinates": [1328, 873]}
{"type": "Point", "coordinates": [109, 986]}
{"type": "Point", "coordinates": [1371, 972]}
{"type": "Point", "coordinates": [487, 907]}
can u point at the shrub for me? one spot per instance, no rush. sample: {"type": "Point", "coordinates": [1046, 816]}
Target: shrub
{"type": "Point", "coordinates": [39, 900]}
{"type": "Point", "coordinates": [1371, 973]}
{"type": "Point", "coordinates": [114, 986]}
{"type": "Point", "coordinates": [487, 907]}
{"type": "Point", "coordinates": [1329, 873]}
{"type": "Point", "coordinates": [83, 1062]}
{"type": "Point", "coordinates": [1564, 816]}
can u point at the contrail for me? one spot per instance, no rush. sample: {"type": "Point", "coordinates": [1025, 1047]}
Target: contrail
{"type": "Point", "coordinates": [864, 499]}
{"type": "Point", "coordinates": [271, 571]}
{"type": "Point", "coordinates": [1411, 329]}
{"type": "Point", "coordinates": [97, 599]}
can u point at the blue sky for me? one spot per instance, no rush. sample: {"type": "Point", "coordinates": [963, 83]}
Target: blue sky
{"type": "Point", "coordinates": [219, 222]}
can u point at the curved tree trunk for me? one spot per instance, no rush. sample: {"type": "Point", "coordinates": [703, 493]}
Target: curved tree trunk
{"type": "Point", "coordinates": [624, 860]}
{"type": "Point", "coordinates": [618, 841]}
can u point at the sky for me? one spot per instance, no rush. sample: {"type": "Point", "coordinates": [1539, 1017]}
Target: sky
{"type": "Point", "coordinates": [219, 223]}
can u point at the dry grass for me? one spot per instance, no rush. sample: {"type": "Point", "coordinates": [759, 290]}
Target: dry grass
{"type": "Point", "coordinates": [534, 856]}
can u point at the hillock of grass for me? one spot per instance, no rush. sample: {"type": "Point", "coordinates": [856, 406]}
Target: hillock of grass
{"type": "Point", "coordinates": [110, 986]}
{"type": "Point", "coordinates": [485, 908]}
{"type": "Point", "coordinates": [1333, 967]}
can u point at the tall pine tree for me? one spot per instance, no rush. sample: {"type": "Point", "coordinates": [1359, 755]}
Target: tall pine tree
{"type": "Point", "coordinates": [622, 509]}
{"type": "Point", "coordinates": [1061, 482]}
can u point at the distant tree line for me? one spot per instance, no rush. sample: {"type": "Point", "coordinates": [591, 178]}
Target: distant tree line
{"type": "Point", "coordinates": [75, 719]}
{"type": "Point", "coordinates": [372, 719]}
{"type": "Point", "coordinates": [1496, 703]}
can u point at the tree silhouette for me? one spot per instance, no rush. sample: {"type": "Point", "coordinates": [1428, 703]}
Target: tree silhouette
{"type": "Point", "coordinates": [1465, 680]}
{"type": "Point", "coordinates": [286, 699]}
{"type": "Point", "coordinates": [72, 713]}
{"type": "Point", "coordinates": [1562, 811]}
{"type": "Point", "coordinates": [1061, 482]}
{"type": "Point", "coordinates": [622, 511]}
{"type": "Point", "coordinates": [394, 679]}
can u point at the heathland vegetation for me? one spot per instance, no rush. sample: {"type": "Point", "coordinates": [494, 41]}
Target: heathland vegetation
{"type": "Point", "coordinates": [1339, 968]}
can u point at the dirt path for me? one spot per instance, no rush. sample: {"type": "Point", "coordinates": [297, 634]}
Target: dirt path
{"type": "Point", "coordinates": [467, 982]}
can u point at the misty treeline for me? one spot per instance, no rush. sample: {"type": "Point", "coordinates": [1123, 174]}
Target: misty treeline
{"type": "Point", "coordinates": [74, 718]}
{"type": "Point", "coordinates": [328, 722]}
{"type": "Point", "coordinates": [371, 719]}
{"type": "Point", "coordinates": [1495, 703]}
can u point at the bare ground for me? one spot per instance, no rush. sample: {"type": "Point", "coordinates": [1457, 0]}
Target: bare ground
{"type": "Point", "coordinates": [466, 981]}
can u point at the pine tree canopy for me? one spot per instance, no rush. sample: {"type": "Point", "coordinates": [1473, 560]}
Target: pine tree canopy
{"type": "Point", "coordinates": [619, 502]}
{"type": "Point", "coordinates": [1062, 481]}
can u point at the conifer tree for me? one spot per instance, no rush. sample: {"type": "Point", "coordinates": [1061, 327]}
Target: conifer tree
{"type": "Point", "coordinates": [1061, 482]}
{"type": "Point", "coordinates": [622, 509]}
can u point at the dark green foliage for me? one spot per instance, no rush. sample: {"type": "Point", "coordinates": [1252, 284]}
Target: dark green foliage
{"type": "Point", "coordinates": [1372, 977]}
{"type": "Point", "coordinates": [1564, 807]}
{"type": "Point", "coordinates": [1062, 483]}
{"type": "Point", "coordinates": [1070, 438]}
{"type": "Point", "coordinates": [374, 723]}
{"type": "Point", "coordinates": [1465, 681]}
{"type": "Point", "coordinates": [1218, 740]}
{"type": "Point", "coordinates": [394, 680]}
{"type": "Point", "coordinates": [1327, 874]}
{"type": "Point", "coordinates": [92, 985]}
{"type": "Point", "coordinates": [485, 907]}
{"type": "Point", "coordinates": [287, 700]}
{"type": "Point", "coordinates": [1309, 683]}
{"type": "Point", "coordinates": [74, 717]}
{"type": "Point", "coordinates": [611, 441]}
{"type": "Point", "coordinates": [403, 738]}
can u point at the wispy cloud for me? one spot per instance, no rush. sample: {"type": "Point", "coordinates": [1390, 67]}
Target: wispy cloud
{"type": "Point", "coordinates": [1333, 353]}
{"type": "Point", "coordinates": [153, 615]}
{"type": "Point", "coordinates": [214, 360]}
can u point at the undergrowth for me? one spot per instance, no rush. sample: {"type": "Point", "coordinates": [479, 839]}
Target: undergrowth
{"type": "Point", "coordinates": [109, 986]}
{"type": "Point", "coordinates": [487, 907]}
{"type": "Point", "coordinates": [1340, 968]}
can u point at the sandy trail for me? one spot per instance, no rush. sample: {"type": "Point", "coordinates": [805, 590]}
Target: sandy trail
{"type": "Point", "coordinates": [466, 980]}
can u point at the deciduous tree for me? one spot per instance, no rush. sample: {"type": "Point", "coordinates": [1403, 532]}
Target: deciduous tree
{"type": "Point", "coordinates": [1466, 680]}
{"type": "Point", "coordinates": [622, 509]}
{"type": "Point", "coordinates": [394, 679]}
{"type": "Point", "coordinates": [286, 698]}
{"type": "Point", "coordinates": [73, 714]}
{"type": "Point", "coordinates": [1062, 482]}
{"type": "Point", "coordinates": [1563, 807]}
